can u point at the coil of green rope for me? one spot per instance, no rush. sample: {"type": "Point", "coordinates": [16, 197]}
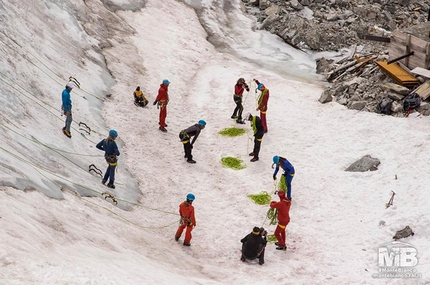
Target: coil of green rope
{"type": "Point", "coordinates": [232, 132]}
{"type": "Point", "coordinates": [233, 163]}
{"type": "Point", "coordinates": [272, 215]}
{"type": "Point", "coordinates": [263, 198]}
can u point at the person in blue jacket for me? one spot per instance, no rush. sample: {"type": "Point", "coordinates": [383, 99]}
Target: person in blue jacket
{"type": "Point", "coordinates": [67, 108]}
{"type": "Point", "coordinates": [108, 145]}
{"type": "Point", "coordinates": [287, 176]}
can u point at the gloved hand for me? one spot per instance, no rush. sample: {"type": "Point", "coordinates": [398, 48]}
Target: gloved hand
{"type": "Point", "coordinates": [191, 146]}
{"type": "Point", "coordinates": [246, 87]}
{"type": "Point", "coordinates": [274, 177]}
{"type": "Point", "coordinates": [155, 102]}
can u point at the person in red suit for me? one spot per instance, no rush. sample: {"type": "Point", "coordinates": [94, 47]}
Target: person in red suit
{"type": "Point", "coordinates": [162, 100]}
{"type": "Point", "coordinates": [262, 103]}
{"type": "Point", "coordinates": [283, 207]}
{"type": "Point", "coordinates": [186, 210]}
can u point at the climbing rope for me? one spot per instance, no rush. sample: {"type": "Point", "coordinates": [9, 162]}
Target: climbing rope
{"type": "Point", "coordinates": [113, 198]}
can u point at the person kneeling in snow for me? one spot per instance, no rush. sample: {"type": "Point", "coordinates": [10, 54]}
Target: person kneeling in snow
{"type": "Point", "coordinates": [139, 99]}
{"type": "Point", "coordinates": [253, 246]}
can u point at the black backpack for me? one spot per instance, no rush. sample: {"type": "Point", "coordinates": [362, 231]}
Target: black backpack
{"type": "Point", "coordinates": [385, 106]}
{"type": "Point", "coordinates": [411, 102]}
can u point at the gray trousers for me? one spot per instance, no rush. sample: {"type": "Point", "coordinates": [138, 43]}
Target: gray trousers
{"type": "Point", "coordinates": [69, 120]}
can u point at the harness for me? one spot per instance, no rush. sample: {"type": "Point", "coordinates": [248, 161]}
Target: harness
{"type": "Point", "coordinates": [186, 221]}
{"type": "Point", "coordinates": [185, 138]}
{"type": "Point", "coordinates": [111, 159]}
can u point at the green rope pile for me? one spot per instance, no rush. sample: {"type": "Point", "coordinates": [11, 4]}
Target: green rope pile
{"type": "Point", "coordinates": [271, 238]}
{"type": "Point", "coordinates": [272, 215]}
{"type": "Point", "coordinates": [282, 184]}
{"type": "Point", "coordinates": [232, 132]}
{"type": "Point", "coordinates": [263, 198]}
{"type": "Point", "coordinates": [232, 162]}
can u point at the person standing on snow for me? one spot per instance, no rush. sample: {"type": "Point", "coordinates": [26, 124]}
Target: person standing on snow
{"type": "Point", "coordinates": [186, 210]}
{"type": "Point", "coordinates": [67, 108]}
{"type": "Point", "coordinates": [185, 136]}
{"type": "Point", "coordinates": [139, 99]}
{"type": "Point", "coordinates": [258, 129]}
{"type": "Point", "coordinates": [237, 97]}
{"type": "Point", "coordinates": [262, 103]}
{"type": "Point", "coordinates": [110, 148]}
{"type": "Point", "coordinates": [253, 246]}
{"type": "Point", "coordinates": [162, 100]}
{"type": "Point", "coordinates": [283, 207]}
{"type": "Point", "coordinates": [287, 176]}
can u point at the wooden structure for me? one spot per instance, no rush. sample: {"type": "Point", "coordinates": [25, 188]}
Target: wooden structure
{"type": "Point", "coordinates": [424, 90]}
{"type": "Point", "coordinates": [398, 74]}
{"type": "Point", "coordinates": [414, 39]}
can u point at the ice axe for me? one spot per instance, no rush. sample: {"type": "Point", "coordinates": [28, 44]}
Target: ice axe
{"type": "Point", "coordinates": [390, 202]}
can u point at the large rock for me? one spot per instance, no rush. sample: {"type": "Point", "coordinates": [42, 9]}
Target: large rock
{"type": "Point", "coordinates": [396, 88]}
{"type": "Point", "coordinates": [364, 164]}
{"type": "Point", "coordinates": [325, 97]}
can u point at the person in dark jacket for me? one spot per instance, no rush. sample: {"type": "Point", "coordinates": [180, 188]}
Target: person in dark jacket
{"type": "Point", "coordinates": [258, 129]}
{"type": "Point", "coordinates": [110, 148]}
{"type": "Point", "coordinates": [185, 136]}
{"type": "Point", "coordinates": [237, 97]}
{"type": "Point", "coordinates": [67, 108]}
{"type": "Point", "coordinates": [283, 207]}
{"type": "Point", "coordinates": [287, 176]}
{"type": "Point", "coordinates": [253, 246]}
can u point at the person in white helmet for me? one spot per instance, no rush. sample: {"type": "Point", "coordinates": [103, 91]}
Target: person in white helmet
{"type": "Point", "coordinates": [67, 108]}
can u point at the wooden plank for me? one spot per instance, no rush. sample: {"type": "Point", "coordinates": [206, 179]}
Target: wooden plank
{"type": "Point", "coordinates": [418, 44]}
{"type": "Point", "coordinates": [408, 50]}
{"type": "Point", "coordinates": [377, 38]}
{"type": "Point", "coordinates": [427, 62]}
{"type": "Point", "coordinates": [421, 71]}
{"type": "Point", "coordinates": [424, 90]}
{"type": "Point", "coordinates": [397, 73]}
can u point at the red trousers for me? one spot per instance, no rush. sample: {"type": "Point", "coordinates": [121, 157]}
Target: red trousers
{"type": "Point", "coordinates": [263, 120]}
{"type": "Point", "coordinates": [163, 115]}
{"type": "Point", "coordinates": [280, 234]}
{"type": "Point", "coordinates": [188, 235]}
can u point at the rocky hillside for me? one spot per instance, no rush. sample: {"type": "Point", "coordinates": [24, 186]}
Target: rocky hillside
{"type": "Point", "coordinates": [330, 25]}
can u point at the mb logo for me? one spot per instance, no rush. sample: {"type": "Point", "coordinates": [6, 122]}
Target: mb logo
{"type": "Point", "coordinates": [397, 254]}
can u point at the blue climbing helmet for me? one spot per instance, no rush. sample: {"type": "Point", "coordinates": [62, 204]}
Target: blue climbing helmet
{"type": "Point", "coordinates": [202, 123]}
{"type": "Point", "coordinates": [276, 159]}
{"type": "Point", "coordinates": [259, 86]}
{"type": "Point", "coordinates": [113, 133]}
{"type": "Point", "coordinates": [190, 197]}
{"type": "Point", "coordinates": [165, 81]}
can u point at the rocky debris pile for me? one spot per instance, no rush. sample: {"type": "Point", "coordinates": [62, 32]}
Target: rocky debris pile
{"type": "Point", "coordinates": [329, 25]}
{"type": "Point", "coordinates": [332, 25]}
{"type": "Point", "coordinates": [359, 84]}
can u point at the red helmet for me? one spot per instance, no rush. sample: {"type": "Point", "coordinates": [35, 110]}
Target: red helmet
{"type": "Point", "coordinates": [281, 194]}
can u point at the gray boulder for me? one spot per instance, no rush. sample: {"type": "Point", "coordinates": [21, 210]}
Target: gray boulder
{"type": "Point", "coordinates": [407, 231]}
{"type": "Point", "coordinates": [364, 164]}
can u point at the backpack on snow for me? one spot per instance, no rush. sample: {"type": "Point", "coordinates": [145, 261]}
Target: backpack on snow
{"type": "Point", "coordinates": [385, 106]}
{"type": "Point", "coordinates": [411, 102]}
